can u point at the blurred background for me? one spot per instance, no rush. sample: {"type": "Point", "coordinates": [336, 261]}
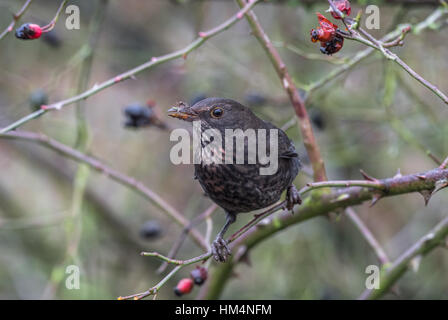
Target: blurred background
{"type": "Point", "coordinates": [373, 117]}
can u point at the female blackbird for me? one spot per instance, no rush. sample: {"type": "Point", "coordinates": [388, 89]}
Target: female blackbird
{"type": "Point", "coordinates": [240, 187]}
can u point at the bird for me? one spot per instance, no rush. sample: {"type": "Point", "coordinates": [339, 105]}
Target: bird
{"type": "Point", "coordinates": [239, 187]}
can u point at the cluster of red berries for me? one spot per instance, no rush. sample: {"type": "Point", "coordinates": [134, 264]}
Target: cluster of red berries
{"type": "Point", "coordinates": [330, 41]}
{"type": "Point", "coordinates": [185, 285]}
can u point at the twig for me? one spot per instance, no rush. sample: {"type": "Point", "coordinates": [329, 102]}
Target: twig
{"type": "Point", "coordinates": [15, 18]}
{"type": "Point", "coordinates": [52, 23]}
{"type": "Point", "coordinates": [117, 176]}
{"type": "Point", "coordinates": [378, 44]}
{"type": "Point", "coordinates": [204, 257]}
{"type": "Point", "coordinates": [178, 243]}
{"type": "Point", "coordinates": [395, 271]}
{"type": "Point", "coordinates": [361, 55]}
{"type": "Point", "coordinates": [182, 53]}
{"type": "Point", "coordinates": [444, 164]}
{"type": "Point", "coordinates": [180, 263]}
{"type": "Point", "coordinates": [367, 234]}
{"type": "Point", "coordinates": [294, 96]}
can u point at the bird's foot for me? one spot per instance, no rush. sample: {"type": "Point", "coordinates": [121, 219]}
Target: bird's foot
{"type": "Point", "coordinates": [220, 250]}
{"type": "Point", "coordinates": [292, 197]}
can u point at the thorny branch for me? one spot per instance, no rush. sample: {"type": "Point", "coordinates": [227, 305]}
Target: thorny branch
{"type": "Point", "coordinates": [317, 204]}
{"type": "Point", "coordinates": [391, 273]}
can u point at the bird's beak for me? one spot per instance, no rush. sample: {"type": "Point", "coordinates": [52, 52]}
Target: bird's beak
{"type": "Point", "coordinates": [182, 111]}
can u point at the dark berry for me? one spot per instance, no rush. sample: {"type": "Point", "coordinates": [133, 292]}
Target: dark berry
{"type": "Point", "coordinates": [138, 116]}
{"type": "Point", "coordinates": [332, 46]}
{"type": "Point", "coordinates": [318, 118]}
{"type": "Point", "coordinates": [37, 99]}
{"type": "Point", "coordinates": [184, 286]}
{"type": "Point", "coordinates": [29, 31]}
{"type": "Point", "coordinates": [151, 230]}
{"type": "Point", "coordinates": [199, 275]}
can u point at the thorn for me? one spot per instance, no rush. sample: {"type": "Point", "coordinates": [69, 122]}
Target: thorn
{"type": "Point", "coordinates": [202, 34]}
{"type": "Point", "coordinates": [367, 177]}
{"type": "Point", "coordinates": [184, 56]}
{"type": "Point", "coordinates": [440, 184]}
{"type": "Point", "coordinates": [398, 174]}
{"type": "Point", "coordinates": [421, 177]}
{"type": "Point", "coordinates": [118, 79]}
{"type": "Point", "coordinates": [133, 77]}
{"type": "Point", "coordinates": [242, 255]}
{"type": "Point", "coordinates": [240, 15]}
{"type": "Point", "coordinates": [153, 59]}
{"type": "Point", "coordinates": [266, 221]}
{"type": "Point", "coordinates": [415, 263]}
{"type": "Point", "coordinates": [376, 197]}
{"type": "Point", "coordinates": [426, 195]}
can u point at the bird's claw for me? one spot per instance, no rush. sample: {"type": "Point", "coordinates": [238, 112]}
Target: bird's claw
{"type": "Point", "coordinates": [220, 250]}
{"type": "Point", "coordinates": [292, 197]}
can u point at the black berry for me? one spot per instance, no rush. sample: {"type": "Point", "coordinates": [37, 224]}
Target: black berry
{"type": "Point", "coordinates": [151, 230]}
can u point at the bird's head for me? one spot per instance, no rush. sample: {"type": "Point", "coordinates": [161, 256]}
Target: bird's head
{"type": "Point", "coordinates": [217, 113]}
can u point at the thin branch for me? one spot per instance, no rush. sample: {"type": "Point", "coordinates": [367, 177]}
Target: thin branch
{"type": "Point", "coordinates": [117, 176]}
{"type": "Point", "coordinates": [387, 39]}
{"type": "Point", "coordinates": [182, 53]}
{"type": "Point", "coordinates": [435, 238]}
{"type": "Point", "coordinates": [15, 18]}
{"type": "Point", "coordinates": [294, 96]}
{"type": "Point", "coordinates": [368, 235]}
{"type": "Point", "coordinates": [379, 45]}
{"type": "Point", "coordinates": [178, 243]}
{"type": "Point", "coordinates": [180, 264]}
{"type": "Point", "coordinates": [52, 23]}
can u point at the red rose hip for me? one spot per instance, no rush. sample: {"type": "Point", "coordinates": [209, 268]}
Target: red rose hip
{"type": "Point", "coordinates": [184, 286]}
{"type": "Point", "coordinates": [29, 31]}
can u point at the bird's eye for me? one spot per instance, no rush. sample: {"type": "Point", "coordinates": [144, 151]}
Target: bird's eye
{"type": "Point", "coordinates": [217, 112]}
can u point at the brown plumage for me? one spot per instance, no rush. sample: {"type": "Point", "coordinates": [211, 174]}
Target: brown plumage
{"type": "Point", "coordinates": [239, 188]}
